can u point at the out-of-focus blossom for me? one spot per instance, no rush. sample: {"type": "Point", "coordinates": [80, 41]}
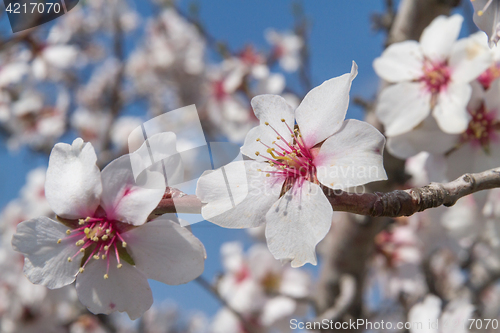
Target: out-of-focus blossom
{"type": "Point", "coordinates": [34, 123]}
{"type": "Point", "coordinates": [433, 320]}
{"type": "Point", "coordinates": [259, 288]}
{"type": "Point", "coordinates": [478, 148]}
{"type": "Point", "coordinates": [286, 49]}
{"type": "Point", "coordinates": [283, 182]}
{"type": "Point", "coordinates": [102, 239]}
{"type": "Point", "coordinates": [430, 75]}
{"type": "Point", "coordinates": [486, 17]}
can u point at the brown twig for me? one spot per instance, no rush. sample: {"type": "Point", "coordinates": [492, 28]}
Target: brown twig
{"type": "Point", "coordinates": [392, 204]}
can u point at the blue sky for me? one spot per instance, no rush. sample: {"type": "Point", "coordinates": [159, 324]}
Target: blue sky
{"type": "Point", "coordinates": [341, 32]}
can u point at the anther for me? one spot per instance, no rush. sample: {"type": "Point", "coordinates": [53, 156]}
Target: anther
{"type": "Point", "coordinates": [105, 237]}
{"type": "Point", "coordinates": [119, 266]}
{"type": "Point", "coordinates": [82, 250]}
{"type": "Point", "coordinates": [106, 276]}
{"type": "Point", "coordinates": [81, 270]}
{"type": "Point", "coordinates": [282, 120]}
{"type": "Point", "coordinates": [267, 124]}
{"type": "Point", "coordinates": [124, 244]}
{"type": "Point", "coordinates": [96, 257]}
{"type": "Point", "coordinates": [103, 256]}
{"type": "Point", "coordinates": [257, 139]}
{"type": "Point", "coordinates": [278, 137]}
{"type": "Point", "coordinates": [69, 259]}
{"type": "Point", "coordinates": [59, 241]}
{"type": "Point", "coordinates": [106, 247]}
{"type": "Point", "coordinates": [79, 243]}
{"type": "Point", "coordinates": [108, 231]}
{"type": "Point", "coordinates": [95, 239]}
{"type": "Point", "coordinates": [81, 221]}
{"type": "Point", "coordinates": [68, 232]}
{"type": "Point", "coordinates": [268, 175]}
{"type": "Point", "coordinates": [257, 153]}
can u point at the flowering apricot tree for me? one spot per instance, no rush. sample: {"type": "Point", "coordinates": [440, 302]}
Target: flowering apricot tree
{"type": "Point", "coordinates": [399, 210]}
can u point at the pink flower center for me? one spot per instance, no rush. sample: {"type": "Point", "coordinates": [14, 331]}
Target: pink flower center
{"type": "Point", "coordinates": [483, 128]}
{"type": "Point", "coordinates": [98, 238]}
{"type": "Point", "coordinates": [436, 76]}
{"type": "Point", "coordinates": [490, 75]}
{"type": "Point", "coordinates": [292, 159]}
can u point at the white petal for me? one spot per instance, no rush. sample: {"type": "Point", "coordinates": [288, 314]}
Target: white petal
{"type": "Point", "coordinates": [126, 289]}
{"type": "Point", "coordinates": [437, 39]}
{"type": "Point", "coordinates": [488, 21]}
{"type": "Point", "coordinates": [243, 199]}
{"type": "Point", "coordinates": [400, 62]}
{"type": "Point", "coordinates": [297, 222]}
{"type": "Point", "coordinates": [159, 153]}
{"type": "Point", "coordinates": [426, 137]}
{"type": "Point", "coordinates": [352, 156]}
{"type": "Point", "coordinates": [403, 106]}
{"type": "Point", "coordinates": [270, 109]}
{"type": "Point", "coordinates": [166, 252]}
{"type": "Point", "coordinates": [48, 261]}
{"type": "Point", "coordinates": [450, 111]}
{"type": "Point", "coordinates": [277, 308]}
{"type": "Point", "coordinates": [61, 56]}
{"type": "Point", "coordinates": [469, 58]}
{"type": "Point", "coordinates": [126, 200]}
{"type": "Point", "coordinates": [73, 186]}
{"type": "Point", "coordinates": [425, 312]}
{"type": "Point", "coordinates": [323, 110]}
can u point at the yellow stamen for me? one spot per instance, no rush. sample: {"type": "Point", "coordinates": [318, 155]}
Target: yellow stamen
{"type": "Point", "coordinates": [81, 270]}
{"type": "Point", "coordinates": [96, 257]}
{"type": "Point", "coordinates": [59, 241]}
{"type": "Point", "coordinates": [80, 243]}
{"type": "Point", "coordinates": [69, 259]}
{"type": "Point", "coordinates": [124, 244]}
{"type": "Point", "coordinates": [267, 124]}
{"type": "Point", "coordinates": [119, 266]}
{"type": "Point", "coordinates": [68, 232]}
{"type": "Point", "coordinates": [106, 276]}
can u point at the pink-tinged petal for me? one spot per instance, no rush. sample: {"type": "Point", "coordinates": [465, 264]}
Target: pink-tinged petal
{"type": "Point", "coordinates": [166, 252]}
{"type": "Point", "coordinates": [126, 200]}
{"type": "Point", "coordinates": [126, 289]}
{"type": "Point", "coordinates": [352, 156]}
{"type": "Point", "coordinates": [400, 62]}
{"type": "Point", "coordinates": [438, 38]}
{"type": "Point", "coordinates": [238, 195]}
{"type": "Point", "coordinates": [450, 111]}
{"type": "Point", "coordinates": [469, 58]}
{"type": "Point", "coordinates": [269, 109]}
{"type": "Point", "coordinates": [426, 137]}
{"type": "Point", "coordinates": [297, 222]}
{"type": "Point", "coordinates": [48, 262]}
{"type": "Point", "coordinates": [403, 106]}
{"type": "Point", "coordinates": [323, 110]}
{"type": "Point", "coordinates": [73, 186]}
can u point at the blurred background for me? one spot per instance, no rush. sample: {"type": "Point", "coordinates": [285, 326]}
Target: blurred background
{"type": "Point", "coordinates": [107, 66]}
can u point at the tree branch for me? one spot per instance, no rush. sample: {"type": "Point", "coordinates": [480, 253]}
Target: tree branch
{"type": "Point", "coordinates": [391, 204]}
